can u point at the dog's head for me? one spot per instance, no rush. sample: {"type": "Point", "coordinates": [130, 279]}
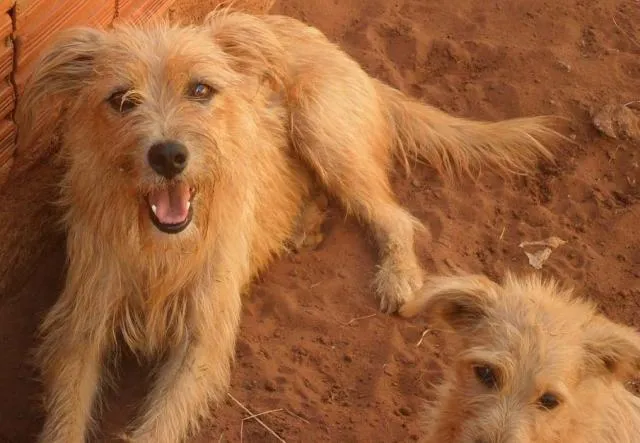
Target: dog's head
{"type": "Point", "coordinates": [153, 117]}
{"type": "Point", "coordinates": [530, 352]}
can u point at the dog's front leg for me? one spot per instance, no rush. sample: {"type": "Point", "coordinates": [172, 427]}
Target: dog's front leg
{"type": "Point", "coordinates": [70, 359]}
{"type": "Point", "coordinates": [197, 373]}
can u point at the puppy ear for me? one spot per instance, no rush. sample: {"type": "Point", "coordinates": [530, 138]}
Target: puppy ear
{"type": "Point", "coordinates": [252, 47]}
{"type": "Point", "coordinates": [462, 302]}
{"type": "Point", "coordinates": [58, 75]}
{"type": "Point", "coordinates": [612, 348]}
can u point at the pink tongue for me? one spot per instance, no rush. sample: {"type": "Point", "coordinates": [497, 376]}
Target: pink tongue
{"type": "Point", "coordinates": [171, 204]}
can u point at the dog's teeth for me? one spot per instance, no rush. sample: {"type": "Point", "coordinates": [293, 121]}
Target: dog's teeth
{"type": "Point", "coordinates": [188, 205]}
{"type": "Point", "coordinates": [154, 209]}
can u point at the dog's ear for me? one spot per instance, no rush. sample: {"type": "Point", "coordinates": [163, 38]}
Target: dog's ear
{"type": "Point", "coordinates": [252, 47]}
{"type": "Point", "coordinates": [612, 348]}
{"type": "Point", "coordinates": [58, 75]}
{"type": "Point", "coordinates": [462, 302]}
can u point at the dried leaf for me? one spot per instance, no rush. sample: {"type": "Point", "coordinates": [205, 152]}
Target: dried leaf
{"type": "Point", "coordinates": [538, 258]}
{"type": "Point", "coordinates": [552, 242]}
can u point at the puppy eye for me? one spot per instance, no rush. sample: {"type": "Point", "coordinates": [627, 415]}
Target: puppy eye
{"type": "Point", "coordinates": [200, 91]}
{"type": "Point", "coordinates": [548, 401]}
{"type": "Point", "coordinates": [122, 101]}
{"type": "Point", "coordinates": [486, 375]}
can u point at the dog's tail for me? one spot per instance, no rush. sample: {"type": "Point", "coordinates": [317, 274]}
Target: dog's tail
{"type": "Point", "coordinates": [453, 145]}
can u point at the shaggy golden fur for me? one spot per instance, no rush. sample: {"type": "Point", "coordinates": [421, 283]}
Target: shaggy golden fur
{"type": "Point", "coordinates": [536, 365]}
{"type": "Point", "coordinates": [291, 112]}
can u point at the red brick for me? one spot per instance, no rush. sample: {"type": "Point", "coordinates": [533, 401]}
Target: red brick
{"type": "Point", "coordinates": [6, 25]}
{"type": "Point", "coordinates": [7, 141]}
{"type": "Point", "coordinates": [6, 45]}
{"type": "Point", "coordinates": [5, 5]}
{"type": "Point", "coordinates": [139, 11]}
{"type": "Point", "coordinates": [7, 98]}
{"type": "Point", "coordinates": [37, 21]}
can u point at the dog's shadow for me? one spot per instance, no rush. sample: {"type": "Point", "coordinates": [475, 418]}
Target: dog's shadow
{"type": "Point", "coordinates": [32, 262]}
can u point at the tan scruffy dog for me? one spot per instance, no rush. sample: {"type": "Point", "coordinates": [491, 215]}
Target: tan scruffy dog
{"type": "Point", "coordinates": [537, 365]}
{"type": "Point", "coordinates": [191, 153]}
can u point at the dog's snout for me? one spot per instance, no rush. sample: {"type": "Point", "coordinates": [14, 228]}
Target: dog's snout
{"type": "Point", "coordinates": [168, 158]}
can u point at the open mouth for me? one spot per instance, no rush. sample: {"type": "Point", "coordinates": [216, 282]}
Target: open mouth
{"type": "Point", "coordinates": [170, 207]}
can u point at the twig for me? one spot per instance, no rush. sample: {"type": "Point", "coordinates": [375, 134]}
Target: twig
{"type": "Point", "coordinates": [502, 233]}
{"type": "Point", "coordinates": [262, 413]}
{"type": "Point", "coordinates": [353, 320]}
{"type": "Point", "coordinates": [251, 417]}
{"type": "Point", "coordinates": [626, 34]}
{"type": "Point", "coordinates": [297, 416]}
{"type": "Point", "coordinates": [425, 332]}
{"type": "Point", "coordinates": [255, 416]}
{"type": "Point", "coordinates": [222, 435]}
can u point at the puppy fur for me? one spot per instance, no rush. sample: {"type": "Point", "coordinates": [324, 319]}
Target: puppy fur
{"type": "Point", "coordinates": [537, 365]}
{"type": "Point", "coordinates": [291, 112]}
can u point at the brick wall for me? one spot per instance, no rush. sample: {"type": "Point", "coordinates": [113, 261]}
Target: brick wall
{"type": "Point", "coordinates": [26, 26]}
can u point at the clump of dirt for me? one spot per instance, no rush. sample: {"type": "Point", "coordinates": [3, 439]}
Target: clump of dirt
{"type": "Point", "coordinates": [618, 122]}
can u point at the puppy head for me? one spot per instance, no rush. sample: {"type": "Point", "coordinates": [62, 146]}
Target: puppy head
{"type": "Point", "coordinates": [153, 119]}
{"type": "Point", "coordinates": [529, 353]}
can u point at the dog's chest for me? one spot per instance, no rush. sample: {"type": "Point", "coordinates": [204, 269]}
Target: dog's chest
{"type": "Point", "coordinates": [155, 311]}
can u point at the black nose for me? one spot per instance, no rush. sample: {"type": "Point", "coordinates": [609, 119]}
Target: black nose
{"type": "Point", "coordinates": [169, 158]}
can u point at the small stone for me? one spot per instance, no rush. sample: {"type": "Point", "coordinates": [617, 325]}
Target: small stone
{"type": "Point", "coordinates": [617, 122]}
{"type": "Point", "coordinates": [564, 66]}
{"type": "Point", "coordinates": [270, 386]}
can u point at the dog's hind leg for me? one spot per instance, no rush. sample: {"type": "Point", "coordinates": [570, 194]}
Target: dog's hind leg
{"type": "Point", "coordinates": [342, 134]}
{"type": "Point", "coordinates": [360, 182]}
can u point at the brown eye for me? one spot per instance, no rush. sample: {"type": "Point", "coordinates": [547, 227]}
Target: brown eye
{"type": "Point", "coordinates": [122, 101]}
{"type": "Point", "coordinates": [200, 91]}
{"type": "Point", "coordinates": [486, 375]}
{"type": "Point", "coordinates": [548, 401]}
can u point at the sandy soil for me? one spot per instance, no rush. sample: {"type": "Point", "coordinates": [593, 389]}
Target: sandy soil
{"type": "Point", "coordinates": [313, 350]}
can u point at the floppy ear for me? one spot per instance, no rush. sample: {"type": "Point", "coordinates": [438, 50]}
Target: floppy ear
{"type": "Point", "coordinates": [462, 302]}
{"type": "Point", "coordinates": [612, 348]}
{"type": "Point", "coordinates": [58, 75]}
{"type": "Point", "coordinates": [252, 47]}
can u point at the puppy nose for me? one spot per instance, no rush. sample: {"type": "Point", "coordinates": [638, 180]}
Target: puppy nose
{"type": "Point", "coordinates": [168, 158]}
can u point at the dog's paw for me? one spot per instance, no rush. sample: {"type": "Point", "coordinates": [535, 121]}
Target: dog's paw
{"type": "Point", "coordinates": [123, 437]}
{"type": "Point", "coordinates": [309, 232]}
{"type": "Point", "coordinates": [130, 437]}
{"type": "Point", "coordinates": [394, 289]}
{"type": "Point", "coordinates": [305, 241]}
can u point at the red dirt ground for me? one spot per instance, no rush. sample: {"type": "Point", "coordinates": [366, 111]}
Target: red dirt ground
{"type": "Point", "coordinates": [334, 379]}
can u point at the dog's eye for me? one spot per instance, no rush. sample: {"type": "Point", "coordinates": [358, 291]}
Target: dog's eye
{"type": "Point", "coordinates": [486, 375]}
{"type": "Point", "coordinates": [548, 401]}
{"type": "Point", "coordinates": [200, 91]}
{"type": "Point", "coordinates": [122, 101]}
